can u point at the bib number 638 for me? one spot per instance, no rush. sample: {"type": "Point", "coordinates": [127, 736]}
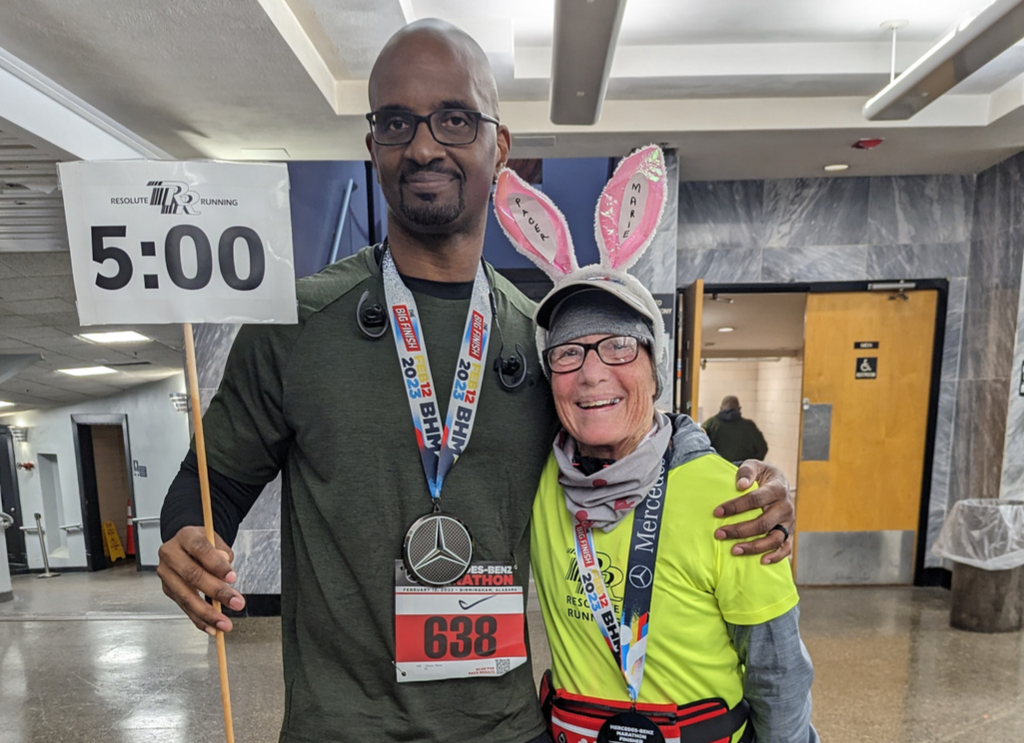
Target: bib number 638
{"type": "Point", "coordinates": [460, 636]}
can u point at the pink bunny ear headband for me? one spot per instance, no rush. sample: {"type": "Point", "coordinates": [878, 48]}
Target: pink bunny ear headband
{"type": "Point", "coordinates": [628, 212]}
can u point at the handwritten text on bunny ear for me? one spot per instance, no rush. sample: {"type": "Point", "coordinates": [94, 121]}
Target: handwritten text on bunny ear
{"type": "Point", "coordinates": [634, 199]}
{"type": "Point", "coordinates": [535, 224]}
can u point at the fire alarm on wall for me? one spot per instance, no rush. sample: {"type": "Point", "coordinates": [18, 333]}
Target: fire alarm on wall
{"type": "Point", "coordinates": [867, 144]}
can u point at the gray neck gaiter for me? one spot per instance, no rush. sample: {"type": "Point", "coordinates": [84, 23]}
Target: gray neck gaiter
{"type": "Point", "coordinates": [603, 499]}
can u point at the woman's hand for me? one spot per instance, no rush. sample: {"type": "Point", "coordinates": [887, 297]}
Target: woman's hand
{"type": "Point", "coordinates": [776, 522]}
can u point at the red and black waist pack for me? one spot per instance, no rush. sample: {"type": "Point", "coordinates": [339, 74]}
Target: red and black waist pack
{"type": "Point", "coordinates": [573, 718]}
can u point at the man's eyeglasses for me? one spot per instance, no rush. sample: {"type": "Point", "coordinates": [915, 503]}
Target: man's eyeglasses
{"type": "Point", "coordinates": [615, 350]}
{"type": "Point", "coordinates": [446, 125]}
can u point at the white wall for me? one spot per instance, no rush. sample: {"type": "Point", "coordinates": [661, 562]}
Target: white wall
{"type": "Point", "coordinates": [778, 411]}
{"type": "Point", "coordinates": [769, 394]}
{"type": "Point", "coordinates": [158, 437]}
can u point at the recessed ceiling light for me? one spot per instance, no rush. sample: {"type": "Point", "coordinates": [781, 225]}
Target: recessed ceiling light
{"type": "Point", "coordinates": [5, 404]}
{"type": "Point", "coordinates": [835, 168]}
{"type": "Point", "coordinates": [726, 329]}
{"type": "Point", "coordinates": [88, 371]}
{"type": "Point", "coordinates": [120, 336]}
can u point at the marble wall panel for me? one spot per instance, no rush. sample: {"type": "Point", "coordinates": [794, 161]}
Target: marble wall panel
{"type": "Point", "coordinates": [921, 210]}
{"type": "Point", "coordinates": [1012, 487]}
{"type": "Point", "coordinates": [258, 561]}
{"type": "Point", "coordinates": [977, 452]}
{"type": "Point", "coordinates": [941, 464]}
{"type": "Point", "coordinates": [734, 266]}
{"type": "Point", "coordinates": [999, 198]}
{"type": "Point", "coordinates": [954, 329]}
{"type": "Point", "coordinates": [257, 546]}
{"type": "Point", "coordinates": [821, 263]}
{"type": "Point", "coordinates": [720, 215]}
{"type": "Point", "coordinates": [995, 263]}
{"type": "Point", "coordinates": [816, 211]}
{"type": "Point", "coordinates": [213, 342]}
{"type": "Point", "coordinates": [920, 261]}
{"type": "Point", "coordinates": [988, 339]}
{"type": "Point", "coordinates": [991, 307]}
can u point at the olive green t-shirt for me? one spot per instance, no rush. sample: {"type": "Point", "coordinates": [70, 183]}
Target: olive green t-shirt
{"type": "Point", "coordinates": [325, 405]}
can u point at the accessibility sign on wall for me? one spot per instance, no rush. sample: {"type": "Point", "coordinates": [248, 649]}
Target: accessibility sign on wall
{"type": "Point", "coordinates": [867, 367]}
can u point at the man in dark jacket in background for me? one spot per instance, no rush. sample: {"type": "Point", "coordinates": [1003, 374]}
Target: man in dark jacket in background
{"type": "Point", "coordinates": [734, 437]}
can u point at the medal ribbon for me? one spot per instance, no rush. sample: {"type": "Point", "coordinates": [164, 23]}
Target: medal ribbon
{"type": "Point", "coordinates": [627, 637]}
{"type": "Point", "coordinates": [439, 446]}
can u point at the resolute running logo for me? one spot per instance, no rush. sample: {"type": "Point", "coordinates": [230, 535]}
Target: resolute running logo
{"type": "Point", "coordinates": [173, 197]}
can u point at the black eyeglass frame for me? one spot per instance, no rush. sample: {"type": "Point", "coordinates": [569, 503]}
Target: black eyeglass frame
{"type": "Point", "coordinates": [477, 116]}
{"type": "Point", "coordinates": [587, 347]}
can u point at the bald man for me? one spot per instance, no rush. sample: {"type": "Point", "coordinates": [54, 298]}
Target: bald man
{"type": "Point", "coordinates": [370, 654]}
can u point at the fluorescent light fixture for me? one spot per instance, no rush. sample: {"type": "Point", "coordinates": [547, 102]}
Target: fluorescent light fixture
{"type": "Point", "coordinates": [836, 167]}
{"type": "Point", "coordinates": [726, 329]}
{"type": "Point", "coordinates": [5, 404]}
{"type": "Point", "coordinates": [959, 54]}
{"type": "Point", "coordinates": [119, 336]}
{"type": "Point", "coordinates": [88, 371]}
{"type": "Point", "coordinates": [586, 34]}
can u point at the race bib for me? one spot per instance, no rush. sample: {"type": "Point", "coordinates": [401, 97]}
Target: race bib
{"type": "Point", "coordinates": [474, 627]}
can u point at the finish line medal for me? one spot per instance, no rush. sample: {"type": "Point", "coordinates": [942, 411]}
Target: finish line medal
{"type": "Point", "coordinates": [438, 548]}
{"type": "Point", "coordinates": [629, 727]}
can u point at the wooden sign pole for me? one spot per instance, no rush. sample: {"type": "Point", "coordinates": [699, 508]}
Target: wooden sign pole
{"type": "Point", "coordinates": [204, 486]}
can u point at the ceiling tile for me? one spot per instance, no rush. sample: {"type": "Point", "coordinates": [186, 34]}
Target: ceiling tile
{"type": "Point", "coordinates": [48, 287]}
{"type": "Point", "coordinates": [36, 307]}
{"type": "Point", "coordinates": [18, 321]}
{"type": "Point", "coordinates": [37, 264]}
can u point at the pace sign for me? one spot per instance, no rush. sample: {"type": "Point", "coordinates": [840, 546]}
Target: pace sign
{"type": "Point", "coordinates": [168, 242]}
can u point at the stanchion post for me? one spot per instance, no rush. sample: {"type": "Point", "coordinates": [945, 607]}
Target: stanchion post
{"type": "Point", "coordinates": [42, 549]}
{"type": "Point", "coordinates": [204, 486]}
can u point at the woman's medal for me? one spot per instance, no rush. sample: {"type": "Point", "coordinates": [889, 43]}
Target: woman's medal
{"type": "Point", "coordinates": [629, 727]}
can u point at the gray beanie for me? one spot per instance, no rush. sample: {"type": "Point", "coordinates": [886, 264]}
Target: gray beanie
{"type": "Point", "coordinates": [597, 312]}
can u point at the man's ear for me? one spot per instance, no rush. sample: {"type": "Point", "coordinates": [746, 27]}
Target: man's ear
{"type": "Point", "coordinates": [504, 145]}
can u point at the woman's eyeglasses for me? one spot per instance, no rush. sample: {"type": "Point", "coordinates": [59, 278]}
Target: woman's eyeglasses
{"type": "Point", "coordinates": [615, 350]}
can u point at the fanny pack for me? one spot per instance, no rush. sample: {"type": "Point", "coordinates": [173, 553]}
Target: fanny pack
{"type": "Point", "coordinates": [573, 718]}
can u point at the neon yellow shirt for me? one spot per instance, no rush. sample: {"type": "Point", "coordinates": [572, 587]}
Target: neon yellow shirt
{"type": "Point", "coordinates": [698, 587]}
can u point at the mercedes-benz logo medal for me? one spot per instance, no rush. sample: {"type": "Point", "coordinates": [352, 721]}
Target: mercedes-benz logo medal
{"type": "Point", "coordinates": [438, 549]}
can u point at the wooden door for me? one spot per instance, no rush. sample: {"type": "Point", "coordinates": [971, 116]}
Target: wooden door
{"type": "Point", "coordinates": [688, 372]}
{"type": "Point", "coordinates": [867, 374]}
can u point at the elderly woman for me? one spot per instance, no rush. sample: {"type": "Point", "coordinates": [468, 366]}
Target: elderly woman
{"type": "Point", "coordinates": [655, 632]}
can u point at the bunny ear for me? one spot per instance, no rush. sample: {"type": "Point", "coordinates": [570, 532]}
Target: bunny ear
{"type": "Point", "coordinates": [630, 208]}
{"type": "Point", "coordinates": [534, 225]}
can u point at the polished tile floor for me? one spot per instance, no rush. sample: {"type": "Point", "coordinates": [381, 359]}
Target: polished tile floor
{"type": "Point", "coordinates": [105, 657]}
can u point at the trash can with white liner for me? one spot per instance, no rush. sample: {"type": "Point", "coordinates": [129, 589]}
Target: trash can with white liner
{"type": "Point", "coordinates": [985, 540]}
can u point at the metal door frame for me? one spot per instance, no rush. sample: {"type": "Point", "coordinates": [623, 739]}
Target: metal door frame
{"type": "Point", "coordinates": [105, 419]}
{"type": "Point", "coordinates": [12, 493]}
{"type": "Point", "coordinates": [922, 576]}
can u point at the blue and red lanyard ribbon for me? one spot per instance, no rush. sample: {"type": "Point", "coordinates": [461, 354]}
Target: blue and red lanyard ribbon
{"type": "Point", "coordinates": [440, 446]}
{"type": "Point", "coordinates": [627, 636]}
